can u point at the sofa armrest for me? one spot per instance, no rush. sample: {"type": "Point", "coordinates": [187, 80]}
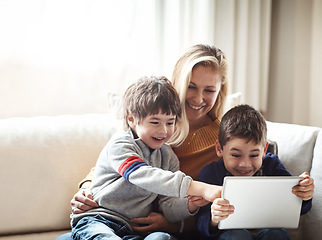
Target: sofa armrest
{"type": "Point", "coordinates": [42, 161]}
{"type": "Point", "coordinates": [300, 149]}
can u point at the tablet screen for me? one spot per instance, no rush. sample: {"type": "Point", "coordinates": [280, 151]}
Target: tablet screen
{"type": "Point", "coordinates": [261, 202]}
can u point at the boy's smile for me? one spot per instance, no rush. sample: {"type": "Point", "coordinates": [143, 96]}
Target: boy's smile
{"type": "Point", "coordinates": [242, 158]}
{"type": "Point", "coordinates": [154, 130]}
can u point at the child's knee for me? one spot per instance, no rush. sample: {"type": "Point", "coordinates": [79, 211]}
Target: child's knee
{"type": "Point", "coordinates": [274, 234]}
{"type": "Point", "coordinates": [236, 234]}
{"type": "Point", "coordinates": [159, 236]}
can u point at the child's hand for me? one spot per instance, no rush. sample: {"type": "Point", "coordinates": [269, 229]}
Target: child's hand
{"type": "Point", "coordinates": [207, 191]}
{"type": "Point", "coordinates": [305, 188]}
{"type": "Point", "coordinates": [197, 201]}
{"type": "Point", "coordinates": [212, 192]}
{"type": "Point", "coordinates": [220, 210]}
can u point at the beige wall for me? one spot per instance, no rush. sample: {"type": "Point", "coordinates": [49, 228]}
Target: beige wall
{"type": "Point", "coordinates": [315, 115]}
{"type": "Point", "coordinates": [295, 64]}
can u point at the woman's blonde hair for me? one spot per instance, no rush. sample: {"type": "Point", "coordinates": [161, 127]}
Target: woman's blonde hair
{"type": "Point", "coordinates": [196, 55]}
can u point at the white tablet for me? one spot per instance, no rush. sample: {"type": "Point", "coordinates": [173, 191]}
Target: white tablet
{"type": "Point", "coordinates": [261, 202]}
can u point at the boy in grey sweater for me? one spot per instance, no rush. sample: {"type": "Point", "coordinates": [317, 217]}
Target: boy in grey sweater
{"type": "Point", "coordinates": [137, 167]}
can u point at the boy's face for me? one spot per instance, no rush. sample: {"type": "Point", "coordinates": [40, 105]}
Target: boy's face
{"type": "Point", "coordinates": [154, 130]}
{"type": "Point", "coordinates": [242, 158]}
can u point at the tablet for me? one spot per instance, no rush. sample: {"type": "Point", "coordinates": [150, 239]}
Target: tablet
{"type": "Point", "coordinates": [261, 202]}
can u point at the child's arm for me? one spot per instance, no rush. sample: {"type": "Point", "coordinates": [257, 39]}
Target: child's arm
{"type": "Point", "coordinates": [195, 202]}
{"type": "Point", "coordinates": [305, 188]}
{"type": "Point", "coordinates": [208, 191]}
{"type": "Point", "coordinates": [220, 210]}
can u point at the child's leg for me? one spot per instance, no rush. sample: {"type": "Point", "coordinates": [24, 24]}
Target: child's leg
{"type": "Point", "coordinates": [159, 236]}
{"type": "Point", "coordinates": [97, 227]}
{"type": "Point", "coordinates": [91, 227]}
{"type": "Point", "coordinates": [65, 236]}
{"type": "Point", "coordinates": [236, 234]}
{"type": "Point", "coordinates": [272, 234]}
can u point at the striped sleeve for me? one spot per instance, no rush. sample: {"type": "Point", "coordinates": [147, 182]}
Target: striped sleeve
{"type": "Point", "coordinates": [130, 165]}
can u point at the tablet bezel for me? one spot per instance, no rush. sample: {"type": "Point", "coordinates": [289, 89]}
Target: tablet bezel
{"type": "Point", "coordinates": [277, 206]}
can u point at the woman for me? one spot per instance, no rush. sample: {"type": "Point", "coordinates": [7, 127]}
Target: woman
{"type": "Point", "coordinates": [200, 78]}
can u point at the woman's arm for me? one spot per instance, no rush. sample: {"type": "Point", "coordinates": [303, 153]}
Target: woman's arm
{"type": "Point", "coordinates": [155, 222]}
{"type": "Point", "coordinates": [83, 199]}
{"type": "Point", "coordinates": [86, 182]}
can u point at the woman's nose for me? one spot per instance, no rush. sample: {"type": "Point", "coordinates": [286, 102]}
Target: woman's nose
{"type": "Point", "coordinates": [198, 97]}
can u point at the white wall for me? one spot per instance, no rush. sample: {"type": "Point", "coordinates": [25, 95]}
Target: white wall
{"type": "Point", "coordinates": [64, 56]}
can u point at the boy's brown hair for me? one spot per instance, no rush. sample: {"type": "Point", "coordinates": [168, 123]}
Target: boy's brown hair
{"type": "Point", "coordinates": [150, 95]}
{"type": "Point", "coordinates": [244, 122]}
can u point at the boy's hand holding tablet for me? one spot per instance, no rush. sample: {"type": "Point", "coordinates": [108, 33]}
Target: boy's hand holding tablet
{"type": "Point", "coordinates": [222, 209]}
{"type": "Point", "coordinates": [305, 188]}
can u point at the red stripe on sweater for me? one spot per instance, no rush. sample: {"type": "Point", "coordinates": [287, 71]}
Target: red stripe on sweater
{"type": "Point", "coordinates": [128, 162]}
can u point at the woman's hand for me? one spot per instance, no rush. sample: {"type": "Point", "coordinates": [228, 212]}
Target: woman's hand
{"type": "Point", "coordinates": [305, 188]}
{"type": "Point", "coordinates": [220, 210]}
{"type": "Point", "coordinates": [83, 201]}
{"type": "Point", "coordinates": [154, 222]}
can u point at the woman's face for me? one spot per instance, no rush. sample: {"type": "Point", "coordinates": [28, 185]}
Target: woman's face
{"type": "Point", "coordinates": [202, 92]}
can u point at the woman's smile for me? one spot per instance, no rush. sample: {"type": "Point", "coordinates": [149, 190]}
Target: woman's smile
{"type": "Point", "coordinates": [195, 107]}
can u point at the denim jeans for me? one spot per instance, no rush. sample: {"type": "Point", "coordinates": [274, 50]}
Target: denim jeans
{"type": "Point", "coordinates": [151, 236]}
{"type": "Point", "coordinates": [263, 234]}
{"type": "Point", "coordinates": [65, 236]}
{"type": "Point", "coordinates": [97, 227]}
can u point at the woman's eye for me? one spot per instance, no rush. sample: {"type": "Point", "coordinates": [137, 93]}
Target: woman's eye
{"type": "Point", "coordinates": [154, 122]}
{"type": "Point", "coordinates": [170, 123]}
{"type": "Point", "coordinates": [210, 90]}
{"type": "Point", "coordinates": [236, 155]}
{"type": "Point", "coordinates": [254, 156]}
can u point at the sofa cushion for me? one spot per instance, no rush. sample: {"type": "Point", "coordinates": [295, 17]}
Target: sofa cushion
{"type": "Point", "coordinates": [295, 145]}
{"type": "Point", "coordinates": [35, 236]}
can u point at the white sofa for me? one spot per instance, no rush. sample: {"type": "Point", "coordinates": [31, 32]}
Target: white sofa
{"type": "Point", "coordinates": [44, 158]}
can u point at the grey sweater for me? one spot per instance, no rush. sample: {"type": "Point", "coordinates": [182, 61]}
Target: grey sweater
{"type": "Point", "coordinates": [129, 176]}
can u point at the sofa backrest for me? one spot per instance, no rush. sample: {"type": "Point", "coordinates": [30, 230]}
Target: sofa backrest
{"type": "Point", "coordinates": [295, 145]}
{"type": "Point", "coordinates": [300, 149]}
